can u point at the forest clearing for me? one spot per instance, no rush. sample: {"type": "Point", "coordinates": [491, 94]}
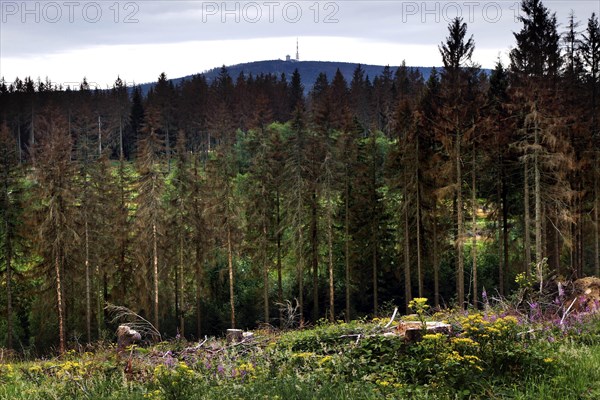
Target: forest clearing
{"type": "Point", "coordinates": [322, 219]}
{"type": "Point", "coordinates": [540, 350]}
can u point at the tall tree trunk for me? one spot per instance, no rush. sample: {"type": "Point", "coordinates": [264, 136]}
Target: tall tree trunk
{"type": "Point", "coordinates": [279, 272]}
{"type": "Point", "coordinates": [418, 206]}
{"type": "Point", "coordinates": [504, 238]}
{"type": "Point", "coordinates": [460, 281]}
{"type": "Point", "coordinates": [526, 218]}
{"type": "Point", "coordinates": [596, 221]}
{"type": "Point", "coordinates": [580, 235]}
{"type": "Point", "coordinates": [8, 250]}
{"type": "Point", "coordinates": [572, 261]}
{"type": "Point", "coordinates": [32, 131]}
{"type": "Point", "coordinates": [499, 232]}
{"type": "Point", "coordinates": [347, 246]}
{"type": "Point", "coordinates": [375, 274]}
{"type": "Point", "coordinates": [59, 303]}
{"type": "Point", "coordinates": [557, 245]}
{"type": "Point", "coordinates": [19, 149]}
{"type": "Point", "coordinates": [330, 261]}
{"type": "Point", "coordinates": [596, 175]}
{"type": "Point", "coordinates": [474, 231]}
{"type": "Point", "coordinates": [168, 148]}
{"type": "Point", "coordinates": [198, 289]}
{"type": "Point", "coordinates": [301, 275]}
{"type": "Point", "coordinates": [436, 264]}
{"type": "Point", "coordinates": [155, 271]}
{"type": "Point", "coordinates": [121, 153]}
{"type": "Point", "coordinates": [8, 258]}
{"type": "Point", "coordinates": [231, 282]}
{"type": "Point", "coordinates": [538, 201]}
{"type": "Point", "coordinates": [265, 273]}
{"type": "Point", "coordinates": [315, 255]}
{"type": "Point", "coordinates": [99, 303]}
{"type": "Point", "coordinates": [407, 275]}
{"type": "Point", "coordinates": [99, 136]}
{"type": "Point", "coordinates": [180, 288]}
{"type": "Point", "coordinates": [88, 286]}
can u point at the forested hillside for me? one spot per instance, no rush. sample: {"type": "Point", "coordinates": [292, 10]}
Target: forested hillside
{"type": "Point", "coordinates": [309, 70]}
{"type": "Point", "coordinates": [208, 205]}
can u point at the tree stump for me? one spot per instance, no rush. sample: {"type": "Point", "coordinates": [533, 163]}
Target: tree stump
{"type": "Point", "coordinates": [414, 331]}
{"type": "Point", "coordinates": [126, 336]}
{"type": "Point", "coordinates": [234, 335]}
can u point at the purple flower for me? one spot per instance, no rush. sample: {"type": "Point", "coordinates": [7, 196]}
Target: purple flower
{"type": "Point", "coordinates": [557, 301]}
{"type": "Point", "coordinates": [220, 369]}
{"type": "Point", "coordinates": [169, 362]}
{"type": "Point", "coordinates": [533, 306]}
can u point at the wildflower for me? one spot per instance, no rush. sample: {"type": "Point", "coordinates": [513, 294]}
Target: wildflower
{"type": "Point", "coordinates": [7, 371]}
{"type": "Point", "coordinates": [432, 336]}
{"type": "Point", "coordinates": [304, 355]}
{"type": "Point", "coordinates": [464, 341]}
{"type": "Point", "coordinates": [324, 360]}
{"type": "Point", "coordinates": [510, 319]}
{"type": "Point", "coordinates": [418, 304]}
{"type": "Point", "coordinates": [35, 369]}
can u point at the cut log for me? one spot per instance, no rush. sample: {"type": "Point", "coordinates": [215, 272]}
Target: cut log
{"type": "Point", "coordinates": [586, 295]}
{"type": "Point", "coordinates": [234, 335]}
{"type": "Point", "coordinates": [126, 336]}
{"type": "Point", "coordinates": [413, 330]}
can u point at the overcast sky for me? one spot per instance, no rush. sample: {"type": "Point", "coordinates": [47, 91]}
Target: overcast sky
{"type": "Point", "coordinates": [137, 40]}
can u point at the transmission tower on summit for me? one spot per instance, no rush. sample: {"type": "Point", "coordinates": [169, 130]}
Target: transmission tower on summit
{"type": "Point", "coordinates": [297, 52]}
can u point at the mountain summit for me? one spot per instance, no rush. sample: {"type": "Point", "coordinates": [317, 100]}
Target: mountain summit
{"type": "Point", "coordinates": [309, 70]}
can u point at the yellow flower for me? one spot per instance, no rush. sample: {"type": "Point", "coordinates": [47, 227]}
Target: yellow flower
{"type": "Point", "coordinates": [35, 369]}
{"type": "Point", "coordinates": [511, 320]}
{"type": "Point", "coordinates": [433, 336]}
{"type": "Point", "coordinates": [418, 304]}
{"type": "Point", "coordinates": [549, 360]}
{"type": "Point", "coordinates": [7, 371]}
{"type": "Point", "coordinates": [248, 367]}
{"type": "Point", "coordinates": [464, 341]}
{"type": "Point", "coordinates": [325, 360]}
{"type": "Point", "coordinates": [303, 355]}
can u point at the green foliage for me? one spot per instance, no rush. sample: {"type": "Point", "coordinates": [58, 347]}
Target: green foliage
{"type": "Point", "coordinates": [174, 382]}
{"type": "Point", "coordinates": [487, 356]}
{"type": "Point", "coordinates": [323, 338]}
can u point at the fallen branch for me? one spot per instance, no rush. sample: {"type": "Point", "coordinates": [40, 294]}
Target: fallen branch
{"type": "Point", "coordinates": [132, 320]}
{"type": "Point", "coordinates": [392, 319]}
{"type": "Point", "coordinates": [567, 312]}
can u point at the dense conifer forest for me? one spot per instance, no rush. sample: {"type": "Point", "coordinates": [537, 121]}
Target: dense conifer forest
{"type": "Point", "coordinates": [209, 205]}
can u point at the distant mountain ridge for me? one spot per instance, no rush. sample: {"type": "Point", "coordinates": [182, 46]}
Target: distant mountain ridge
{"type": "Point", "coordinates": [309, 70]}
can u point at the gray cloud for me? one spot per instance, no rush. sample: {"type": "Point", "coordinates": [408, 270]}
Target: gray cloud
{"type": "Point", "coordinates": [35, 27]}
